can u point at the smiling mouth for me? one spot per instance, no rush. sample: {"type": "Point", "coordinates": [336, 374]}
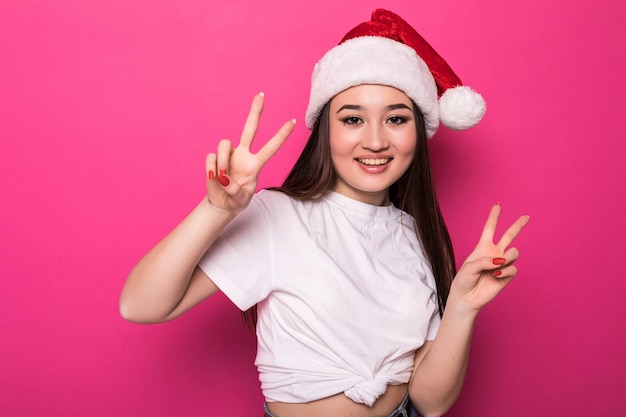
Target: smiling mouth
{"type": "Point", "coordinates": [374, 162]}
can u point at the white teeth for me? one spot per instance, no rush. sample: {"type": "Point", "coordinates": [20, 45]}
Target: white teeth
{"type": "Point", "coordinates": [374, 162]}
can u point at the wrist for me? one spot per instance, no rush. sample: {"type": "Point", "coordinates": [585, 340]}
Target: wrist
{"type": "Point", "coordinates": [210, 210]}
{"type": "Point", "coordinates": [458, 305]}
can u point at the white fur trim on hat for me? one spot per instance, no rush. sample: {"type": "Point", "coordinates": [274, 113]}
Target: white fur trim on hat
{"type": "Point", "coordinates": [374, 60]}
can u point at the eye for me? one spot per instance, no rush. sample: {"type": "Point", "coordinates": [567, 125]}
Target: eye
{"type": "Point", "coordinates": [352, 120]}
{"type": "Point", "coordinates": [396, 120]}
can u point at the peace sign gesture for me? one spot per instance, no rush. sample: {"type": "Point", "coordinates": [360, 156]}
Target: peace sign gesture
{"type": "Point", "coordinates": [232, 173]}
{"type": "Point", "coordinates": [489, 268]}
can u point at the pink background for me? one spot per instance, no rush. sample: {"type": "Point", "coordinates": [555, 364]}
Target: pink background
{"type": "Point", "coordinates": [107, 109]}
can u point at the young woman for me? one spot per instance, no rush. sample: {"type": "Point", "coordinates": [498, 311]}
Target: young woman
{"type": "Point", "coordinates": [347, 268]}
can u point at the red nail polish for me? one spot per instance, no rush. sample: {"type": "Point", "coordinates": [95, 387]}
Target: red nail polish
{"type": "Point", "coordinates": [222, 172]}
{"type": "Point", "coordinates": [223, 180]}
{"type": "Point", "coordinates": [498, 261]}
{"type": "Point", "coordinates": [211, 175]}
{"type": "Point", "coordinates": [497, 273]}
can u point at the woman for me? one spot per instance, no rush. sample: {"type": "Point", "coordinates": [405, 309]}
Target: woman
{"type": "Point", "coordinates": [349, 264]}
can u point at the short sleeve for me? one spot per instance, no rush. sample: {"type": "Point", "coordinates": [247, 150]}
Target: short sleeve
{"type": "Point", "coordinates": [240, 260]}
{"type": "Point", "coordinates": [433, 326]}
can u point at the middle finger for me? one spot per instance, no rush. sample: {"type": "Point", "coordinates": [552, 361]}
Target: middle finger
{"type": "Point", "coordinates": [252, 121]}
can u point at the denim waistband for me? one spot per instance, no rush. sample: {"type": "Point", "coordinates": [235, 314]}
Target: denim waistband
{"type": "Point", "coordinates": [403, 410]}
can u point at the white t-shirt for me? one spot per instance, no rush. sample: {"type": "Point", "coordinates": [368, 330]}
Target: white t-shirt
{"type": "Point", "coordinates": [345, 294]}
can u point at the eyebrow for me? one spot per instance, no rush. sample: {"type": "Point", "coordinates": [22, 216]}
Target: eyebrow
{"type": "Point", "coordinates": [360, 108]}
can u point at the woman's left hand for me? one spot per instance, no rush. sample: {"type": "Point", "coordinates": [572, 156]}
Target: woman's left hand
{"type": "Point", "coordinates": [489, 268]}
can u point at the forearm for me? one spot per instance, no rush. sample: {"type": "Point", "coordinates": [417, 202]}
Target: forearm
{"type": "Point", "coordinates": [158, 282]}
{"type": "Point", "coordinates": [440, 365]}
{"type": "Point", "coordinates": [438, 377]}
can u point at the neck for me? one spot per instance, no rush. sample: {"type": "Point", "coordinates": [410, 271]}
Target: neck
{"type": "Point", "coordinates": [375, 198]}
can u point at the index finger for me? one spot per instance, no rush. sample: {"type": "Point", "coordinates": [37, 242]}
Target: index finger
{"type": "Point", "coordinates": [273, 145]}
{"type": "Point", "coordinates": [252, 121]}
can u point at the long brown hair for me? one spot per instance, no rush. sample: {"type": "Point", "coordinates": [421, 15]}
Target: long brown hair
{"type": "Point", "coordinates": [313, 175]}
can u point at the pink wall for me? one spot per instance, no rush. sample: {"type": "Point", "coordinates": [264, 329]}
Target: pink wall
{"type": "Point", "coordinates": [108, 108]}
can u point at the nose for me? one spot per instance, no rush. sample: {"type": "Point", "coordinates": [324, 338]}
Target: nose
{"type": "Point", "coordinates": [374, 139]}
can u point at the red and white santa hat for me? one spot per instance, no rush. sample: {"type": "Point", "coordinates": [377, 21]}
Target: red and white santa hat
{"type": "Point", "coordinates": [387, 51]}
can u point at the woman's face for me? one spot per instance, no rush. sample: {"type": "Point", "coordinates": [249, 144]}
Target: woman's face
{"type": "Point", "coordinates": [372, 140]}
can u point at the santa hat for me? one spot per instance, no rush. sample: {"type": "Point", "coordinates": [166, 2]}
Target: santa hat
{"type": "Point", "coordinates": [388, 51]}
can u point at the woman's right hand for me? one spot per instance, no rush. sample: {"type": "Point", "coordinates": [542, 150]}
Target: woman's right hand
{"type": "Point", "coordinates": [232, 173]}
{"type": "Point", "coordinates": [167, 281]}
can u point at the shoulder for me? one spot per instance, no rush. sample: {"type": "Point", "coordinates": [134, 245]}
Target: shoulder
{"type": "Point", "coordinates": [407, 220]}
{"type": "Point", "coordinates": [273, 198]}
{"type": "Point", "coordinates": [283, 209]}
{"type": "Point", "coordinates": [274, 203]}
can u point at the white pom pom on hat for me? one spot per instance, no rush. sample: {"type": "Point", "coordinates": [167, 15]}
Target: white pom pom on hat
{"type": "Point", "coordinates": [387, 51]}
{"type": "Point", "coordinates": [461, 107]}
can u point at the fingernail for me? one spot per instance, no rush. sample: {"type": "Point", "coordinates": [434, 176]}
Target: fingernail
{"type": "Point", "coordinates": [223, 172]}
{"type": "Point", "coordinates": [497, 273]}
{"type": "Point", "coordinates": [498, 261]}
{"type": "Point", "coordinates": [211, 175]}
{"type": "Point", "coordinates": [223, 180]}
{"type": "Point", "coordinates": [498, 204]}
{"type": "Point", "coordinates": [262, 94]}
